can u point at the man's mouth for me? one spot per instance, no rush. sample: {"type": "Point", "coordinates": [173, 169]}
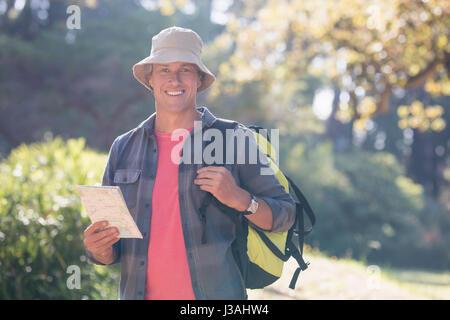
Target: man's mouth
{"type": "Point", "coordinates": [175, 93]}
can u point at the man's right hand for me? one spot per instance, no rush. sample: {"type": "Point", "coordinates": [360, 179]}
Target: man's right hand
{"type": "Point", "coordinates": [99, 241]}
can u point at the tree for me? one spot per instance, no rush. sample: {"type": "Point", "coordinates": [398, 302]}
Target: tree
{"type": "Point", "coordinates": [79, 82]}
{"type": "Point", "coordinates": [368, 49]}
{"type": "Point", "coordinates": [374, 55]}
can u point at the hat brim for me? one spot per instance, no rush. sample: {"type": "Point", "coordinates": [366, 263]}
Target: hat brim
{"type": "Point", "coordinates": [168, 55]}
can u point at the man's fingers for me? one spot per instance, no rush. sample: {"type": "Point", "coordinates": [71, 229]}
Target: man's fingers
{"type": "Point", "coordinates": [102, 244]}
{"type": "Point", "coordinates": [208, 174]}
{"type": "Point", "coordinates": [95, 227]}
{"type": "Point", "coordinates": [208, 182]}
{"type": "Point", "coordinates": [205, 187]}
{"type": "Point", "coordinates": [213, 175]}
{"type": "Point", "coordinates": [93, 238]}
{"type": "Point", "coordinates": [104, 241]}
{"type": "Point", "coordinates": [108, 245]}
{"type": "Point", "coordinates": [104, 248]}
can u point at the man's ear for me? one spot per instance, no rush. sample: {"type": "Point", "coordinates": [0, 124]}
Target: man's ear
{"type": "Point", "coordinates": [201, 76]}
{"type": "Point", "coordinates": [149, 80]}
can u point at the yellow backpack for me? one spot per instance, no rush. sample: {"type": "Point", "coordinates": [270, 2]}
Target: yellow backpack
{"type": "Point", "coordinates": [261, 255]}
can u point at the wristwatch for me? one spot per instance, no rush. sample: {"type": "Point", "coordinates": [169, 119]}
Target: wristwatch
{"type": "Point", "coordinates": [252, 207]}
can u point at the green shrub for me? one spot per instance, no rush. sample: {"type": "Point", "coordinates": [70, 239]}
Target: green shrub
{"type": "Point", "coordinates": [41, 224]}
{"type": "Point", "coordinates": [368, 209]}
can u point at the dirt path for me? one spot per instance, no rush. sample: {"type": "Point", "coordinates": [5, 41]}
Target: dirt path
{"type": "Point", "coordinates": [333, 279]}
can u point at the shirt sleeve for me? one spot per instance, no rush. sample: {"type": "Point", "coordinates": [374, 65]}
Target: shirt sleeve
{"type": "Point", "coordinates": [108, 180]}
{"type": "Point", "coordinates": [260, 180]}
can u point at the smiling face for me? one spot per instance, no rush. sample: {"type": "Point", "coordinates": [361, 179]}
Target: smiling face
{"type": "Point", "coordinates": [175, 85]}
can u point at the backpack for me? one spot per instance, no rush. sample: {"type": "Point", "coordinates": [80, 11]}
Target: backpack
{"type": "Point", "coordinates": [261, 255]}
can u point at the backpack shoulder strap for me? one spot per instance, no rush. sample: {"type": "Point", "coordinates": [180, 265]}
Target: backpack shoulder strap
{"type": "Point", "coordinates": [222, 125]}
{"type": "Point", "coordinates": [305, 204]}
{"type": "Point", "coordinates": [296, 249]}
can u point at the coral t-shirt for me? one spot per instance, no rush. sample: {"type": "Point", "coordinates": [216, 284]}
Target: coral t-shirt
{"type": "Point", "coordinates": [168, 275]}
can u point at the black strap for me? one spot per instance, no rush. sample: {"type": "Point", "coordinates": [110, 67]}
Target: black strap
{"type": "Point", "coordinates": [302, 264]}
{"type": "Point", "coordinates": [258, 129]}
{"type": "Point", "coordinates": [222, 126]}
{"type": "Point", "coordinates": [294, 279]}
{"type": "Point", "coordinates": [202, 211]}
{"type": "Point", "coordinates": [305, 205]}
{"type": "Point", "coordinates": [295, 251]}
{"type": "Point", "coordinates": [271, 246]}
{"type": "Point", "coordinates": [298, 230]}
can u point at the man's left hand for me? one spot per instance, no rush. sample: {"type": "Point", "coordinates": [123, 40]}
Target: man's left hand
{"type": "Point", "coordinates": [221, 184]}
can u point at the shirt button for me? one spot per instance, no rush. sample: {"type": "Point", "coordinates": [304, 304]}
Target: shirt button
{"type": "Point", "coordinates": [147, 205]}
{"type": "Point", "coordinates": [142, 262]}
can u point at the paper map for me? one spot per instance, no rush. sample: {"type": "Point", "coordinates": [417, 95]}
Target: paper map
{"type": "Point", "coordinates": [107, 203]}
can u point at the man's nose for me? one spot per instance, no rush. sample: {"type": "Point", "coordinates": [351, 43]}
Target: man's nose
{"type": "Point", "coordinates": [174, 77]}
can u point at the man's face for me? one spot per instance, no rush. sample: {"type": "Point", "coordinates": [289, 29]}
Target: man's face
{"type": "Point", "coordinates": [175, 85]}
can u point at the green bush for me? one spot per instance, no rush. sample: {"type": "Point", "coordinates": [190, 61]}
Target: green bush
{"type": "Point", "coordinates": [42, 223]}
{"type": "Point", "coordinates": [368, 209]}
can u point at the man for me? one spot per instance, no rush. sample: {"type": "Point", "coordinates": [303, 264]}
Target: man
{"type": "Point", "coordinates": [163, 194]}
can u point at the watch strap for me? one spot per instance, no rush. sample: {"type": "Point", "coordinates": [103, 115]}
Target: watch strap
{"type": "Point", "coordinates": [247, 212]}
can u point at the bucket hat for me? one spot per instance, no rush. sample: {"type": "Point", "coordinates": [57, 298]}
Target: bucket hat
{"type": "Point", "coordinates": [174, 44]}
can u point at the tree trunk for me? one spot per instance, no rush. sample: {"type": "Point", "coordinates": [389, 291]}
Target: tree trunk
{"type": "Point", "coordinates": [337, 131]}
{"type": "Point", "coordinates": [423, 163]}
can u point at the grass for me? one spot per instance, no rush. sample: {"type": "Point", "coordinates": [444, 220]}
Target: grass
{"type": "Point", "coordinates": [433, 285]}
{"type": "Point", "coordinates": [427, 284]}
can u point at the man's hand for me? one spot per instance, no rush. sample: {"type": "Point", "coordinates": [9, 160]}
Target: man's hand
{"type": "Point", "coordinates": [220, 183]}
{"type": "Point", "coordinates": [99, 241]}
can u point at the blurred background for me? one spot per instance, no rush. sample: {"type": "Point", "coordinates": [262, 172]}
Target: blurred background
{"type": "Point", "coordinates": [359, 90]}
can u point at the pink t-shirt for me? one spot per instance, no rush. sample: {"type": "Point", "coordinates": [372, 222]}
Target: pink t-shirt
{"type": "Point", "coordinates": [168, 276]}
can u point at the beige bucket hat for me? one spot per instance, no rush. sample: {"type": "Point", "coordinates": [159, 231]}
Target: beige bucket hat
{"type": "Point", "coordinates": [174, 44]}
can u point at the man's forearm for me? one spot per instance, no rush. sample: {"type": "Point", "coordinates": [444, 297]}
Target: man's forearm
{"type": "Point", "coordinates": [263, 217]}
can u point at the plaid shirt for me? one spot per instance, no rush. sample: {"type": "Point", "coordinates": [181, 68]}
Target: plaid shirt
{"type": "Point", "coordinates": [214, 273]}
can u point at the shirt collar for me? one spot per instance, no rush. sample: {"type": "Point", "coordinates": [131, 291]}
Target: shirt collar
{"type": "Point", "coordinates": [207, 119]}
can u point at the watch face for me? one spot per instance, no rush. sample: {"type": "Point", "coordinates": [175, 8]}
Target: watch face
{"type": "Point", "coordinates": [253, 206]}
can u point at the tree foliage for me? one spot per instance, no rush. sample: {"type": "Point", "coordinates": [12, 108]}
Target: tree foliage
{"type": "Point", "coordinates": [79, 82]}
{"type": "Point", "coordinates": [367, 48]}
{"type": "Point", "coordinates": [368, 209]}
